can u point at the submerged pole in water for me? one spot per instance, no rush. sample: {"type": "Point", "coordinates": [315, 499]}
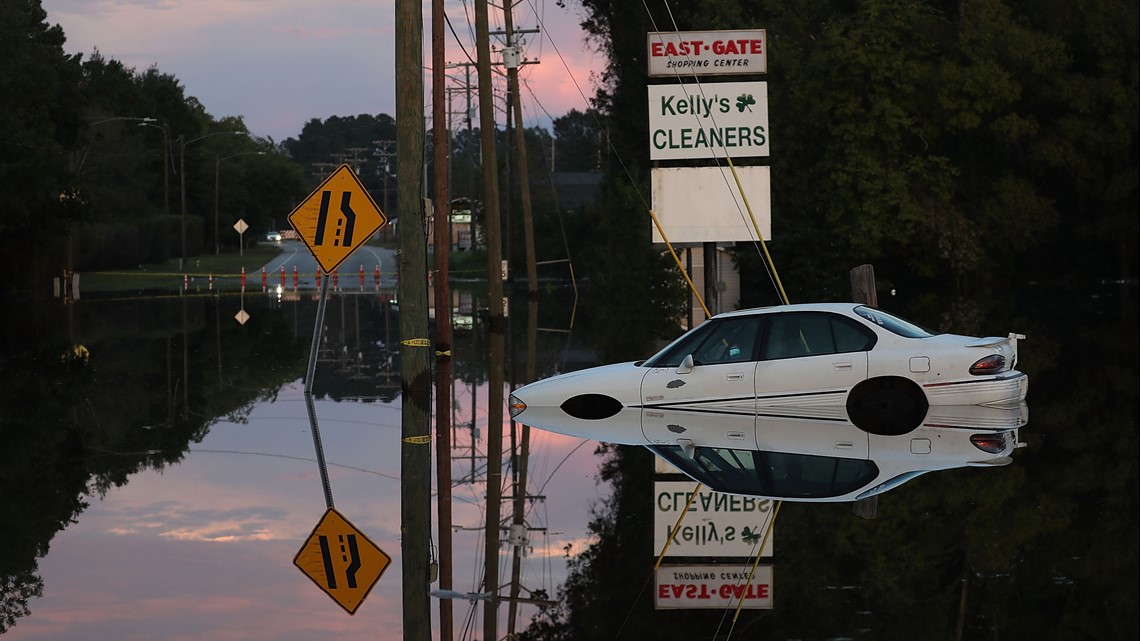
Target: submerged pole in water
{"type": "Point", "coordinates": [496, 333]}
{"type": "Point", "coordinates": [442, 199]}
{"type": "Point", "coordinates": [415, 347]}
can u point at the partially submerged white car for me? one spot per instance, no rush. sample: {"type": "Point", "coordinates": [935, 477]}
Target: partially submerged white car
{"type": "Point", "coordinates": [741, 375]}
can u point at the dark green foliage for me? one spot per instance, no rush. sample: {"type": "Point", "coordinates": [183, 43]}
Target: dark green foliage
{"type": "Point", "coordinates": [636, 292]}
{"type": "Point", "coordinates": [38, 116]}
{"type": "Point", "coordinates": [91, 150]}
{"type": "Point", "coordinates": [963, 149]}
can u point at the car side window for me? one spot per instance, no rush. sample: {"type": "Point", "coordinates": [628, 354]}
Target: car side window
{"type": "Point", "coordinates": [732, 340]}
{"type": "Point", "coordinates": [850, 336]}
{"type": "Point", "coordinates": [813, 334]}
{"type": "Point", "coordinates": [774, 474]}
{"type": "Point", "coordinates": [788, 336]}
{"type": "Point", "coordinates": [672, 355]}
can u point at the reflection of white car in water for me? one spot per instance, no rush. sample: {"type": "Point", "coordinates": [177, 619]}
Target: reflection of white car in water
{"type": "Point", "coordinates": [741, 375]}
{"type": "Point", "coordinates": [799, 459]}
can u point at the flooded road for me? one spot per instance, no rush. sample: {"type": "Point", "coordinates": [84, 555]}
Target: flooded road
{"type": "Point", "coordinates": [159, 473]}
{"type": "Point", "coordinates": [185, 436]}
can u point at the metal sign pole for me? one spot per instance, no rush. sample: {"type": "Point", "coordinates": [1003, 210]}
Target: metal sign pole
{"type": "Point", "coordinates": [309, 390]}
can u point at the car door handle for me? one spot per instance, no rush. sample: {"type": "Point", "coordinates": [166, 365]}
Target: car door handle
{"type": "Point", "coordinates": [842, 365]}
{"type": "Point", "coordinates": [844, 445]}
{"type": "Point", "coordinates": [734, 376]}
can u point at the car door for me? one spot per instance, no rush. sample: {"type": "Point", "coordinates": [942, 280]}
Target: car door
{"type": "Point", "coordinates": [704, 393]}
{"type": "Point", "coordinates": [810, 359]}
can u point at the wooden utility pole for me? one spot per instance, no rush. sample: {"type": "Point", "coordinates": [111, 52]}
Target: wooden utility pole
{"type": "Point", "coordinates": [515, 97]}
{"type": "Point", "coordinates": [442, 208]}
{"type": "Point", "coordinates": [518, 536]}
{"type": "Point", "coordinates": [495, 332]}
{"type": "Point", "coordinates": [415, 446]}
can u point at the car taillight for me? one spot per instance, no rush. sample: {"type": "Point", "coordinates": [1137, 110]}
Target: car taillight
{"type": "Point", "coordinates": [992, 443]}
{"type": "Point", "coordinates": [991, 364]}
{"type": "Point", "coordinates": [515, 406]}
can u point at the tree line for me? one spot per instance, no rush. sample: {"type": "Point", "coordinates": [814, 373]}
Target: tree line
{"type": "Point", "coordinates": [968, 150]}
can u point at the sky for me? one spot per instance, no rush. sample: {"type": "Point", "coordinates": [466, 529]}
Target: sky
{"type": "Point", "coordinates": [280, 63]}
{"type": "Point", "coordinates": [204, 549]}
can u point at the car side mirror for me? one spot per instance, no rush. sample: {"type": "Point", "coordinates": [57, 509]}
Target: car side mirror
{"type": "Point", "coordinates": [686, 365]}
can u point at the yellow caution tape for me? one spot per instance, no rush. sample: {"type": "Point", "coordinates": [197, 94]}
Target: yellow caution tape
{"type": "Point", "coordinates": [417, 440]}
{"type": "Point", "coordinates": [416, 342]}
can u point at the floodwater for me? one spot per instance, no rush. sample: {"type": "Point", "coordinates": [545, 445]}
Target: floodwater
{"type": "Point", "coordinates": [159, 472]}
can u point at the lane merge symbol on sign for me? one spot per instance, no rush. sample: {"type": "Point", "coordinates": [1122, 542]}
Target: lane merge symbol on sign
{"type": "Point", "coordinates": [341, 561]}
{"type": "Point", "coordinates": [337, 218]}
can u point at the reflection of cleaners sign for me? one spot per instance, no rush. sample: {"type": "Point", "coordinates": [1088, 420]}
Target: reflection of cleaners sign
{"type": "Point", "coordinates": [708, 120]}
{"type": "Point", "coordinates": [717, 524]}
{"type": "Point", "coordinates": [702, 53]}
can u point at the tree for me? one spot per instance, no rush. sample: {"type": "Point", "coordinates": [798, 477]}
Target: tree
{"type": "Point", "coordinates": [39, 118]}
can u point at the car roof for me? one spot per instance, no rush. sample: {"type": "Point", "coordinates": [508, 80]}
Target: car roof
{"type": "Point", "coordinates": [794, 307]}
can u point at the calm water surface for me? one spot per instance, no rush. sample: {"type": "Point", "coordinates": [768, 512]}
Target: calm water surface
{"type": "Point", "coordinates": [158, 471]}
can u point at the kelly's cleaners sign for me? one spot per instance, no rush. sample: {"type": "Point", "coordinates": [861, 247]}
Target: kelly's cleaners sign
{"type": "Point", "coordinates": [708, 120]}
{"type": "Point", "coordinates": [716, 524]}
{"type": "Point", "coordinates": [706, 53]}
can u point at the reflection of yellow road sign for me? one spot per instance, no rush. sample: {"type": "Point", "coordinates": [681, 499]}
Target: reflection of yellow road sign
{"type": "Point", "coordinates": [337, 218]}
{"type": "Point", "coordinates": [341, 560]}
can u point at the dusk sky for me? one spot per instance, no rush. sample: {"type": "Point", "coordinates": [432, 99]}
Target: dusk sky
{"type": "Point", "coordinates": [280, 63]}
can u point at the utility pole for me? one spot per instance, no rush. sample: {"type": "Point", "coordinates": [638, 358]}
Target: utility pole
{"type": "Point", "coordinates": [496, 330]}
{"type": "Point", "coordinates": [442, 199]}
{"type": "Point", "coordinates": [512, 58]}
{"type": "Point", "coordinates": [518, 538]}
{"type": "Point", "coordinates": [415, 444]}
{"type": "Point", "coordinates": [384, 153]}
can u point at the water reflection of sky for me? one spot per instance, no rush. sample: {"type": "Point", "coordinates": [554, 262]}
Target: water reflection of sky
{"type": "Point", "coordinates": [204, 549]}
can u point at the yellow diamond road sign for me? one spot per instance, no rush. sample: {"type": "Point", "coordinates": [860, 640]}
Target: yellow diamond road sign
{"type": "Point", "coordinates": [341, 560]}
{"type": "Point", "coordinates": [337, 218]}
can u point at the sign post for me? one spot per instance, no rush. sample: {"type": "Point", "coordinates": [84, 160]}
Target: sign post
{"type": "Point", "coordinates": [240, 226]}
{"type": "Point", "coordinates": [334, 221]}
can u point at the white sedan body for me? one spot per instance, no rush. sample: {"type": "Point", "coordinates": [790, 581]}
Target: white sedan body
{"type": "Point", "coordinates": [818, 379]}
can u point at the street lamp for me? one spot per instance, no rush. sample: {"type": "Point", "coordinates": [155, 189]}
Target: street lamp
{"type": "Point", "coordinates": [168, 155]}
{"type": "Point", "coordinates": [217, 166]}
{"type": "Point", "coordinates": [182, 143]}
{"type": "Point", "coordinates": [79, 159]}
{"type": "Point", "coordinates": [99, 122]}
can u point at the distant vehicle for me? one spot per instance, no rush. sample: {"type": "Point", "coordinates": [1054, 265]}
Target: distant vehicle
{"type": "Point", "coordinates": [273, 236]}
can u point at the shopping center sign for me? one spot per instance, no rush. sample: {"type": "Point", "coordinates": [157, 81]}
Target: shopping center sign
{"type": "Point", "coordinates": [705, 53]}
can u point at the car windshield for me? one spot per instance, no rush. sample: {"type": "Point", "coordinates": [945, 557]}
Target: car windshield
{"type": "Point", "coordinates": [772, 474]}
{"type": "Point", "coordinates": [893, 323]}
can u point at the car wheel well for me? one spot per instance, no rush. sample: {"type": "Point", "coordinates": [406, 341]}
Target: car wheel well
{"type": "Point", "coordinates": [887, 405]}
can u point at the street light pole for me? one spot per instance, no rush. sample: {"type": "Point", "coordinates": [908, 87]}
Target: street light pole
{"type": "Point", "coordinates": [141, 120]}
{"type": "Point", "coordinates": [217, 190]}
{"type": "Point", "coordinates": [167, 161]}
{"type": "Point", "coordinates": [182, 191]}
{"type": "Point", "coordinates": [182, 144]}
